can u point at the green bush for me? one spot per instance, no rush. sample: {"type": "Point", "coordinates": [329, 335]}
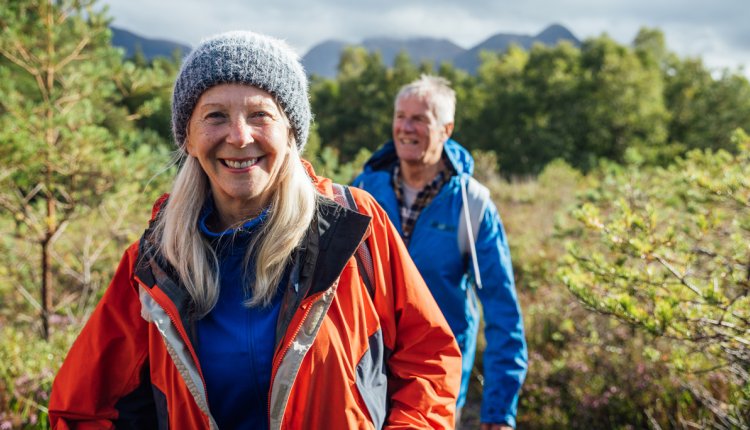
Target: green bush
{"type": "Point", "coordinates": [28, 365]}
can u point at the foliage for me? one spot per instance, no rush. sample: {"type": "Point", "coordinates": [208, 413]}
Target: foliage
{"type": "Point", "coordinates": [69, 145]}
{"type": "Point", "coordinates": [326, 160]}
{"type": "Point", "coordinates": [705, 111]}
{"type": "Point", "coordinates": [600, 101]}
{"type": "Point", "coordinates": [350, 110]}
{"type": "Point", "coordinates": [579, 105]}
{"type": "Point", "coordinates": [659, 253]}
{"type": "Point", "coordinates": [27, 369]}
{"type": "Point", "coordinates": [146, 91]}
{"type": "Point", "coordinates": [665, 251]}
{"type": "Point", "coordinates": [354, 111]}
{"type": "Point", "coordinates": [586, 370]}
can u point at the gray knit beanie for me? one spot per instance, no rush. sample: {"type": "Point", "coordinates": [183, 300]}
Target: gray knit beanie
{"type": "Point", "coordinates": [247, 58]}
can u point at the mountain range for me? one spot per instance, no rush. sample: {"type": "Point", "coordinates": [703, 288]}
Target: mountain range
{"type": "Point", "coordinates": [150, 48]}
{"type": "Point", "coordinates": [323, 58]}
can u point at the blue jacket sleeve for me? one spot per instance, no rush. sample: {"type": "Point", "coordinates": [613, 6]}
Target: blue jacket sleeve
{"type": "Point", "coordinates": [505, 357]}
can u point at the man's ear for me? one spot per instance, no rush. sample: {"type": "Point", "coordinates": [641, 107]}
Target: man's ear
{"type": "Point", "coordinates": [448, 129]}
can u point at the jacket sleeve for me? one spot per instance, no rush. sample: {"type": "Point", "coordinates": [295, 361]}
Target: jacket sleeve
{"type": "Point", "coordinates": [424, 367]}
{"type": "Point", "coordinates": [505, 358]}
{"type": "Point", "coordinates": [103, 382]}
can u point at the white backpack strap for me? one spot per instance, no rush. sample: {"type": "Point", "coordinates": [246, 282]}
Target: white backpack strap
{"type": "Point", "coordinates": [475, 198]}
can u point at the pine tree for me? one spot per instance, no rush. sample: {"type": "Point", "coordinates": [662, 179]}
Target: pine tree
{"type": "Point", "coordinates": [64, 144]}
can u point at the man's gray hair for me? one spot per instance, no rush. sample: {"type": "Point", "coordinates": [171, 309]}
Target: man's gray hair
{"type": "Point", "coordinates": [437, 92]}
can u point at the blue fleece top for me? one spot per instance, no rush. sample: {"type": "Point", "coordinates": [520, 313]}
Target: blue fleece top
{"type": "Point", "coordinates": [236, 343]}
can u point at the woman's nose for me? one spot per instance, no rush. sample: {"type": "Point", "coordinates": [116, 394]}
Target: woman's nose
{"type": "Point", "coordinates": [240, 133]}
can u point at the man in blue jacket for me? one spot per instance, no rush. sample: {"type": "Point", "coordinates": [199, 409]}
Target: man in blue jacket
{"type": "Point", "coordinates": [422, 178]}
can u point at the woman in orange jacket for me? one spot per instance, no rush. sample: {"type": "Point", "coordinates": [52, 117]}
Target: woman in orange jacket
{"type": "Point", "coordinates": [261, 295]}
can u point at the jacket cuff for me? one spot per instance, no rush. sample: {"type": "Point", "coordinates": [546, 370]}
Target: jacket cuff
{"type": "Point", "coordinates": [494, 415]}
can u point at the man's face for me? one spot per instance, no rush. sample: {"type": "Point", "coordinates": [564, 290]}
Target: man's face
{"type": "Point", "coordinates": [417, 133]}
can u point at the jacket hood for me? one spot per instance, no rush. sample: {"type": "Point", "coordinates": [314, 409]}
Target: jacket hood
{"type": "Point", "coordinates": [459, 157]}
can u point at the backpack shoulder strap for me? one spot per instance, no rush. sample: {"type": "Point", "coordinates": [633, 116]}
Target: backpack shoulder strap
{"type": "Point", "coordinates": [475, 198]}
{"type": "Point", "coordinates": [343, 196]}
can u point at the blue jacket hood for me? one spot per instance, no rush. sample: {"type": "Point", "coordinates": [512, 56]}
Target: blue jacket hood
{"type": "Point", "coordinates": [459, 157]}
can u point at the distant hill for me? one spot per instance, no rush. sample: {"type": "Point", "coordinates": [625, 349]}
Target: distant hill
{"type": "Point", "coordinates": [151, 48]}
{"type": "Point", "coordinates": [323, 59]}
{"type": "Point", "coordinates": [550, 36]}
{"type": "Point", "coordinates": [419, 49]}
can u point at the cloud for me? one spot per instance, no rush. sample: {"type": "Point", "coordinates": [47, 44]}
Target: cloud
{"type": "Point", "coordinates": [717, 30]}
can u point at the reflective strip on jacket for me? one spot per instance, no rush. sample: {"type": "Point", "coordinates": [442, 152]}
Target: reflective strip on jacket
{"type": "Point", "coordinates": [434, 247]}
{"type": "Point", "coordinates": [344, 359]}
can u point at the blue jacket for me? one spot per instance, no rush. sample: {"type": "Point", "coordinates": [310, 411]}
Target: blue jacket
{"type": "Point", "coordinates": [435, 250]}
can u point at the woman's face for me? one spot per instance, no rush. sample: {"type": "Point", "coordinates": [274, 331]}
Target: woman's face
{"type": "Point", "coordinates": [241, 139]}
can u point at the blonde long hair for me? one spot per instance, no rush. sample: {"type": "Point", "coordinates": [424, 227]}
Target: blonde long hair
{"type": "Point", "coordinates": [179, 240]}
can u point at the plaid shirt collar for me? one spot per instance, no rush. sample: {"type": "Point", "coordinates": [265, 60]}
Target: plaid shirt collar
{"type": "Point", "coordinates": [409, 215]}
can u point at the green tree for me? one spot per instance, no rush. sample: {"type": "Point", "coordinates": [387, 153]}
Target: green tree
{"type": "Point", "coordinates": [68, 143]}
{"type": "Point", "coordinates": [467, 103]}
{"type": "Point", "coordinates": [705, 110]}
{"type": "Point", "coordinates": [665, 250]}
{"type": "Point", "coordinates": [579, 104]}
{"type": "Point", "coordinates": [621, 100]}
{"type": "Point", "coordinates": [498, 96]}
{"type": "Point", "coordinates": [354, 111]}
{"type": "Point", "coordinates": [350, 110]}
{"type": "Point", "coordinates": [146, 92]}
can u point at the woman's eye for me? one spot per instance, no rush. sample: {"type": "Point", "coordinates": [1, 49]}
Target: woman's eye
{"type": "Point", "coordinates": [260, 117]}
{"type": "Point", "coordinates": [215, 116]}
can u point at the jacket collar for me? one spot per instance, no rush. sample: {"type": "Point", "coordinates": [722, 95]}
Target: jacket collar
{"type": "Point", "coordinates": [317, 263]}
{"type": "Point", "coordinates": [459, 157]}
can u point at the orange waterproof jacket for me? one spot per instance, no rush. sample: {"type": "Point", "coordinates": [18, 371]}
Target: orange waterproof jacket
{"type": "Point", "coordinates": [346, 357]}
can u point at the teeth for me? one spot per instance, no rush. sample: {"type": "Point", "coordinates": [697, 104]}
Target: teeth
{"type": "Point", "coordinates": [241, 164]}
{"type": "Point", "coordinates": [408, 142]}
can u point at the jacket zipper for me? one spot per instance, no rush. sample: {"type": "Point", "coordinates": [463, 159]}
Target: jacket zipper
{"type": "Point", "coordinates": [277, 362]}
{"type": "Point", "coordinates": [185, 339]}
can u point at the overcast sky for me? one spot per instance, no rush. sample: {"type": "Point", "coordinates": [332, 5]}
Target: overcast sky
{"type": "Point", "coordinates": [716, 30]}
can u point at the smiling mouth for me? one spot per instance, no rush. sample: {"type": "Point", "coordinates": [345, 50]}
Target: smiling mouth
{"type": "Point", "coordinates": [408, 141]}
{"type": "Point", "coordinates": [240, 164]}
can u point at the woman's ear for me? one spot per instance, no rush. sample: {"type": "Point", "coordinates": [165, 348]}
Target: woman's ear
{"type": "Point", "coordinates": [291, 141]}
{"type": "Point", "coordinates": [187, 146]}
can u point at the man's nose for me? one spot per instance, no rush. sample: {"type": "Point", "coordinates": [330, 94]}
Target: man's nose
{"type": "Point", "coordinates": [407, 124]}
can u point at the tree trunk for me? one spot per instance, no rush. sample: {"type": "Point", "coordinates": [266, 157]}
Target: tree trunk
{"type": "Point", "coordinates": [51, 209]}
{"type": "Point", "coordinates": [46, 285]}
{"type": "Point", "coordinates": [46, 299]}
